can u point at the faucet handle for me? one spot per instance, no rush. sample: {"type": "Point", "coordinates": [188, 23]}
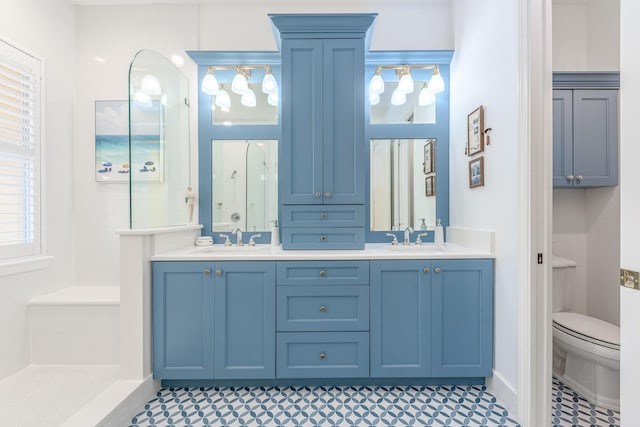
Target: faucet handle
{"type": "Point", "coordinates": [419, 240]}
{"type": "Point", "coordinates": [394, 242]}
{"type": "Point", "coordinates": [227, 241]}
{"type": "Point", "coordinates": [253, 242]}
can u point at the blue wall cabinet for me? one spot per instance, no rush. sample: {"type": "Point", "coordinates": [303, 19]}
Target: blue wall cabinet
{"type": "Point", "coordinates": [322, 155]}
{"type": "Point", "coordinates": [400, 318]}
{"type": "Point", "coordinates": [585, 138]}
{"type": "Point", "coordinates": [462, 318]}
{"type": "Point", "coordinates": [245, 311]}
{"type": "Point", "coordinates": [182, 320]}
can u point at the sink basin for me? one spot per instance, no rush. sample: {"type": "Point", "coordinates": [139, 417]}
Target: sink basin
{"type": "Point", "coordinates": [415, 248]}
{"type": "Point", "coordinates": [235, 249]}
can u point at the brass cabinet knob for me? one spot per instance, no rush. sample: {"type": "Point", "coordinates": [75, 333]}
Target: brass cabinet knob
{"type": "Point", "coordinates": [323, 308]}
{"type": "Point", "coordinates": [323, 356]}
{"type": "Point", "coordinates": [218, 272]}
{"type": "Point", "coordinates": [323, 215]}
{"type": "Point", "coordinates": [323, 273]}
{"type": "Point", "coordinates": [323, 238]}
{"type": "Point", "coordinates": [207, 272]}
{"type": "Point", "coordinates": [327, 194]}
{"type": "Point", "coordinates": [437, 270]}
{"type": "Point", "coordinates": [571, 177]}
{"type": "Point", "coordinates": [318, 194]}
{"type": "Point", "coordinates": [426, 270]}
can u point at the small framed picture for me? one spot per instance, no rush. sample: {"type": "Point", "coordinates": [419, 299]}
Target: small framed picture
{"type": "Point", "coordinates": [475, 131]}
{"type": "Point", "coordinates": [429, 165]}
{"type": "Point", "coordinates": [476, 172]}
{"type": "Point", "coordinates": [430, 185]}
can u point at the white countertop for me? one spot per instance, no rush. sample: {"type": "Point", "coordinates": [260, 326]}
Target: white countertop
{"type": "Point", "coordinates": [371, 251]}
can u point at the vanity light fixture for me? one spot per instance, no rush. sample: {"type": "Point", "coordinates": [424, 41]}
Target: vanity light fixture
{"type": "Point", "coordinates": [405, 82]}
{"type": "Point", "coordinates": [210, 83]}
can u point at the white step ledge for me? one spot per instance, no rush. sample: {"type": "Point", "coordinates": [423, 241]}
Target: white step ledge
{"type": "Point", "coordinates": [80, 295]}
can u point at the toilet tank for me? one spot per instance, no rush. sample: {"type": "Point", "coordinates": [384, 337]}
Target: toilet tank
{"type": "Point", "coordinates": [564, 272]}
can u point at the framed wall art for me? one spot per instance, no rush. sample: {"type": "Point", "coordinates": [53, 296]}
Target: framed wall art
{"type": "Point", "coordinates": [476, 172]}
{"type": "Point", "coordinates": [429, 164]}
{"type": "Point", "coordinates": [430, 185]}
{"type": "Point", "coordinates": [475, 131]}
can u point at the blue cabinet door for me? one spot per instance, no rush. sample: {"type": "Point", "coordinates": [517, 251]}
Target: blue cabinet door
{"type": "Point", "coordinates": [301, 148]}
{"type": "Point", "coordinates": [462, 321]}
{"type": "Point", "coordinates": [595, 138]}
{"type": "Point", "coordinates": [245, 320]}
{"type": "Point", "coordinates": [563, 138]}
{"type": "Point", "coordinates": [182, 320]}
{"type": "Point", "coordinates": [343, 122]}
{"type": "Point", "coordinates": [400, 318]}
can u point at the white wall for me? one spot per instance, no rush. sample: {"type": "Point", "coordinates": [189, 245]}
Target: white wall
{"type": "Point", "coordinates": [116, 33]}
{"type": "Point", "coordinates": [585, 35]}
{"type": "Point", "coordinates": [630, 205]}
{"type": "Point", "coordinates": [45, 28]}
{"type": "Point", "coordinates": [485, 72]}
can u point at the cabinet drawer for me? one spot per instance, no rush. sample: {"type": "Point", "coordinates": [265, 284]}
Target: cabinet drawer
{"type": "Point", "coordinates": [323, 238]}
{"type": "Point", "coordinates": [322, 354]}
{"type": "Point", "coordinates": [316, 308]}
{"type": "Point", "coordinates": [322, 273]}
{"type": "Point", "coordinates": [323, 216]}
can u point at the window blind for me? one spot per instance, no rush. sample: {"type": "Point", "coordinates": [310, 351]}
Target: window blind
{"type": "Point", "coordinates": [19, 152]}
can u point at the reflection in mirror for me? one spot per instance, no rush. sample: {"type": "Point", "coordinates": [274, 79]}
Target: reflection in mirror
{"type": "Point", "coordinates": [410, 111]}
{"type": "Point", "coordinates": [244, 184]}
{"type": "Point", "coordinates": [402, 184]}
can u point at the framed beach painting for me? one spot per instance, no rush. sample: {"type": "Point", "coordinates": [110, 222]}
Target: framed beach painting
{"type": "Point", "coordinates": [112, 142]}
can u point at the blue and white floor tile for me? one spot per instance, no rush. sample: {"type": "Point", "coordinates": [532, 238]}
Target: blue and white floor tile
{"type": "Point", "coordinates": [324, 406]}
{"type": "Point", "coordinates": [570, 409]}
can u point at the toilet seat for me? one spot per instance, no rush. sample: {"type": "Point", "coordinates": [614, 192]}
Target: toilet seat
{"type": "Point", "coordinates": [589, 329]}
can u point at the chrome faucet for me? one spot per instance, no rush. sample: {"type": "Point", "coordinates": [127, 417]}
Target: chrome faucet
{"type": "Point", "coordinates": [407, 236]}
{"type": "Point", "coordinates": [238, 233]}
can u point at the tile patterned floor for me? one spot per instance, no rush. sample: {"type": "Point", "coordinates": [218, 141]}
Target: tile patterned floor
{"type": "Point", "coordinates": [324, 406]}
{"type": "Point", "coordinates": [569, 409]}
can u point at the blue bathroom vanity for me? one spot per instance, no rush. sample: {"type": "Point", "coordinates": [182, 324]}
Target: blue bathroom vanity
{"type": "Point", "coordinates": [376, 316]}
{"type": "Point", "coordinates": [332, 304]}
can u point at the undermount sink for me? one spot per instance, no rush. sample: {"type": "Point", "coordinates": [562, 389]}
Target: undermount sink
{"type": "Point", "coordinates": [235, 249]}
{"type": "Point", "coordinates": [416, 248]}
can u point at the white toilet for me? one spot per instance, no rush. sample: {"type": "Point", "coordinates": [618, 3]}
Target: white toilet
{"type": "Point", "coordinates": [586, 350]}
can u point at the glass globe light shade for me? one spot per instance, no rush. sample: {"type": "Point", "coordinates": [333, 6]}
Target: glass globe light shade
{"type": "Point", "coordinates": [398, 97]}
{"type": "Point", "coordinates": [406, 83]}
{"type": "Point", "coordinates": [269, 83]}
{"type": "Point", "coordinates": [272, 99]}
{"type": "Point", "coordinates": [223, 100]}
{"type": "Point", "coordinates": [210, 84]}
{"type": "Point", "coordinates": [376, 85]}
{"type": "Point", "coordinates": [248, 98]}
{"type": "Point", "coordinates": [374, 98]}
{"type": "Point", "coordinates": [436, 83]}
{"type": "Point", "coordinates": [239, 83]}
{"type": "Point", "coordinates": [426, 97]}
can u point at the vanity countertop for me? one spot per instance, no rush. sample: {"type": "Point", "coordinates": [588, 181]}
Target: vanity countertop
{"type": "Point", "coordinates": [371, 251]}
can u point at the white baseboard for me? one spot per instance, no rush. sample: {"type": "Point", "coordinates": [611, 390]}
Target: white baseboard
{"type": "Point", "coordinates": [506, 394]}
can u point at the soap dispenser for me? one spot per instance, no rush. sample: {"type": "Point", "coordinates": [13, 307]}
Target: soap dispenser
{"type": "Point", "coordinates": [275, 234]}
{"type": "Point", "coordinates": [423, 225]}
{"type": "Point", "coordinates": [438, 238]}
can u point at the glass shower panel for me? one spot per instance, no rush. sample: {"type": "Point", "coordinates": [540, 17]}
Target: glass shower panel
{"type": "Point", "coordinates": [158, 142]}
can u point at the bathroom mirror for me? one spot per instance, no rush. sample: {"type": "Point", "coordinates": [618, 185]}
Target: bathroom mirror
{"type": "Point", "coordinates": [410, 111]}
{"type": "Point", "coordinates": [402, 184]}
{"type": "Point", "coordinates": [244, 184]}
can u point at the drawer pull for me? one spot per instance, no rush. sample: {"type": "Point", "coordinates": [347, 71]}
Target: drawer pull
{"type": "Point", "coordinates": [318, 194]}
{"type": "Point", "coordinates": [426, 270]}
{"type": "Point", "coordinates": [218, 272]}
{"type": "Point", "coordinates": [323, 238]}
{"type": "Point", "coordinates": [323, 356]}
{"type": "Point", "coordinates": [437, 270]}
{"type": "Point", "coordinates": [323, 215]}
{"type": "Point", "coordinates": [207, 272]}
{"type": "Point", "coordinates": [323, 308]}
{"type": "Point", "coordinates": [323, 273]}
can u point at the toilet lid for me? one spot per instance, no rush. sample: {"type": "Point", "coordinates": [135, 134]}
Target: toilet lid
{"type": "Point", "coordinates": [588, 328]}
